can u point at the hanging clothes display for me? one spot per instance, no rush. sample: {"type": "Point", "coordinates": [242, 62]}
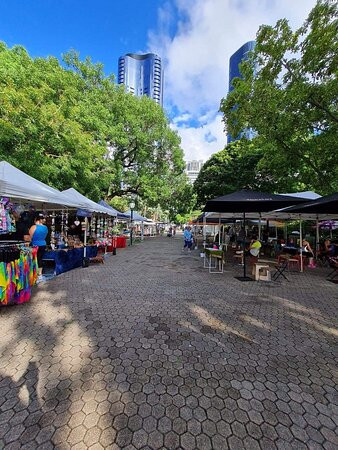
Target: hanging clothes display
{"type": "Point", "coordinates": [18, 273]}
{"type": "Point", "coordinates": [7, 221]}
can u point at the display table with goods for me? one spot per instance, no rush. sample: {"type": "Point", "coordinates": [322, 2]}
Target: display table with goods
{"type": "Point", "coordinates": [68, 259]}
{"type": "Point", "coordinates": [121, 242]}
{"type": "Point", "coordinates": [72, 252]}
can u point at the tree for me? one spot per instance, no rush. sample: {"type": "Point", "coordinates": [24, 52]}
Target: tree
{"type": "Point", "coordinates": [73, 126]}
{"type": "Point", "coordinates": [39, 131]}
{"type": "Point", "coordinates": [288, 94]}
{"type": "Point", "coordinates": [183, 199]}
{"type": "Point", "coordinates": [236, 167]}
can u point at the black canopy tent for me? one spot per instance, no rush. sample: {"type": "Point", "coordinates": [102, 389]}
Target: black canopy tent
{"type": "Point", "coordinates": [247, 201]}
{"type": "Point", "coordinates": [323, 205]}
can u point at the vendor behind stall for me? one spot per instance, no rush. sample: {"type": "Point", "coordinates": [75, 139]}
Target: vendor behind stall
{"type": "Point", "coordinates": [38, 233]}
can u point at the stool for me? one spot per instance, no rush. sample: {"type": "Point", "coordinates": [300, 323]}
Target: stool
{"type": "Point", "coordinates": [97, 259]}
{"type": "Point", "coordinates": [258, 268]}
{"type": "Point", "coordinates": [238, 257]}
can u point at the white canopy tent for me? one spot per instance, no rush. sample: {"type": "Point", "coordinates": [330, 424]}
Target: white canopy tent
{"type": "Point", "coordinates": [17, 185]}
{"type": "Point", "coordinates": [87, 204]}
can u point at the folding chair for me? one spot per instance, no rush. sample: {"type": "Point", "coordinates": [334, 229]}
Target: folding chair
{"type": "Point", "coordinates": [280, 269]}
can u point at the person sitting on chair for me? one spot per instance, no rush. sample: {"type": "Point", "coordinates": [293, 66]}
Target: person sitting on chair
{"type": "Point", "coordinates": [307, 251]}
{"type": "Point", "coordinates": [255, 247]}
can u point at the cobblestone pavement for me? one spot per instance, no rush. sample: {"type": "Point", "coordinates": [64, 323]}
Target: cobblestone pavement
{"type": "Point", "coordinates": [151, 351]}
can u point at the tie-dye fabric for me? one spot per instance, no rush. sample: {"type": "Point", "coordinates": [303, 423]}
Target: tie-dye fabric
{"type": "Point", "coordinates": [17, 277]}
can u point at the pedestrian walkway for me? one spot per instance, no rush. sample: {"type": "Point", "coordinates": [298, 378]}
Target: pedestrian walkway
{"type": "Point", "coordinates": [150, 351]}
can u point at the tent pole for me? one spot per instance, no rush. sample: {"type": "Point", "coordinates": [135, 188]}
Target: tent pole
{"type": "Point", "coordinates": [301, 242]}
{"type": "Point", "coordinates": [204, 231]}
{"type": "Point", "coordinates": [259, 226]}
{"type": "Point", "coordinates": [317, 237]}
{"type": "Point", "coordinates": [219, 231]}
{"type": "Point", "coordinates": [244, 259]}
{"type": "Point", "coordinates": [85, 238]}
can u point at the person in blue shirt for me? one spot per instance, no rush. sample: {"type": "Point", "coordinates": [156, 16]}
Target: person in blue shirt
{"type": "Point", "coordinates": [291, 243]}
{"type": "Point", "coordinates": [38, 233]}
{"type": "Point", "coordinates": [187, 239]}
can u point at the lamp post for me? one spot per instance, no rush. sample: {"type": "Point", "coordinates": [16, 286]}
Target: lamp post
{"type": "Point", "coordinates": [131, 206]}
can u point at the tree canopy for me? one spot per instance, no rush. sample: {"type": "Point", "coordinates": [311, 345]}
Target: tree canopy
{"type": "Point", "coordinates": [71, 125]}
{"type": "Point", "coordinates": [231, 169]}
{"type": "Point", "coordinates": [288, 94]}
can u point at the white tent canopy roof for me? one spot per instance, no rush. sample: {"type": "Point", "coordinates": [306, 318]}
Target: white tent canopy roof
{"type": "Point", "coordinates": [306, 194]}
{"type": "Point", "coordinates": [85, 203]}
{"type": "Point", "coordinates": [19, 186]}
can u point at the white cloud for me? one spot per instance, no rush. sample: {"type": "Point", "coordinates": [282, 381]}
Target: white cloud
{"type": "Point", "coordinates": [202, 141]}
{"type": "Point", "coordinates": [182, 118]}
{"type": "Point", "coordinates": [196, 58]}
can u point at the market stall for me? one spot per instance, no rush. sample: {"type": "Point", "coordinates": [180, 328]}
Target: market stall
{"type": "Point", "coordinates": [21, 193]}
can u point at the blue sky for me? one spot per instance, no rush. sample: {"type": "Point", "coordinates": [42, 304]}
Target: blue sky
{"type": "Point", "coordinates": [195, 39]}
{"type": "Point", "coordinates": [103, 29]}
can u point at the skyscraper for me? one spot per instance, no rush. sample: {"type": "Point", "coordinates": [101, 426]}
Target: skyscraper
{"type": "Point", "coordinates": [142, 75]}
{"type": "Point", "coordinates": [234, 72]}
{"type": "Point", "coordinates": [192, 169]}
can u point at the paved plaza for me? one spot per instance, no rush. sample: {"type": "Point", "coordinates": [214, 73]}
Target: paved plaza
{"type": "Point", "coordinates": [150, 351]}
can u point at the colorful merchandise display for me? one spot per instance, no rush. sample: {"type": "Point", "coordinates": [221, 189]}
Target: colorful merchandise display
{"type": "Point", "coordinates": [18, 273]}
{"type": "Point", "coordinates": [7, 221]}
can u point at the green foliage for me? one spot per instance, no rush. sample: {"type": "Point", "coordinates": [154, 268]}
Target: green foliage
{"type": "Point", "coordinates": [181, 219]}
{"type": "Point", "coordinates": [288, 94]}
{"type": "Point", "coordinates": [75, 127]}
{"type": "Point", "coordinates": [182, 200]}
{"type": "Point", "coordinates": [119, 203]}
{"type": "Point", "coordinates": [236, 167]}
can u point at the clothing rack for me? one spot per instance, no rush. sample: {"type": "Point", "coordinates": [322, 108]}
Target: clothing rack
{"type": "Point", "coordinates": [4, 244]}
{"type": "Point", "coordinates": [18, 272]}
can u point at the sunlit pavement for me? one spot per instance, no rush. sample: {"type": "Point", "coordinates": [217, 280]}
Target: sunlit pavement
{"type": "Point", "coordinates": [151, 351]}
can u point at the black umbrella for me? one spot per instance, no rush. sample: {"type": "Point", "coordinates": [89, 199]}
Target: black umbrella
{"type": "Point", "coordinates": [323, 205]}
{"type": "Point", "coordinates": [251, 201]}
{"type": "Point", "coordinates": [247, 201]}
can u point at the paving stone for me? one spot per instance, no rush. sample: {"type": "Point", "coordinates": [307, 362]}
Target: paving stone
{"type": "Point", "coordinates": [157, 362]}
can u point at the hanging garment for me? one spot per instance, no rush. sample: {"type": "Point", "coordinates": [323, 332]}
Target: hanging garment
{"type": "Point", "coordinates": [18, 273]}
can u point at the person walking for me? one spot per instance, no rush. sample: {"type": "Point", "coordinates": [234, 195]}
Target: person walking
{"type": "Point", "coordinates": [187, 235]}
{"type": "Point", "coordinates": [38, 233]}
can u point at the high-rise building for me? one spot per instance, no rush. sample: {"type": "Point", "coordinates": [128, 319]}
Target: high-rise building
{"type": "Point", "coordinates": [192, 169]}
{"type": "Point", "coordinates": [239, 56]}
{"type": "Point", "coordinates": [142, 75]}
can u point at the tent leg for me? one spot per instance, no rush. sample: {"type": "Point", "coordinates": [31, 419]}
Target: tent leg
{"type": "Point", "coordinates": [85, 238]}
{"type": "Point", "coordinates": [244, 258]}
{"type": "Point", "coordinates": [244, 277]}
{"type": "Point", "coordinates": [219, 232]}
{"type": "Point", "coordinates": [204, 231]}
{"type": "Point", "coordinates": [317, 237]}
{"type": "Point", "coordinates": [259, 227]}
{"type": "Point", "coordinates": [301, 248]}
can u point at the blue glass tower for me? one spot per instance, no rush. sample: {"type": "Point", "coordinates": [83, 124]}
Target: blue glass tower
{"type": "Point", "coordinates": [234, 72]}
{"type": "Point", "coordinates": [142, 75]}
